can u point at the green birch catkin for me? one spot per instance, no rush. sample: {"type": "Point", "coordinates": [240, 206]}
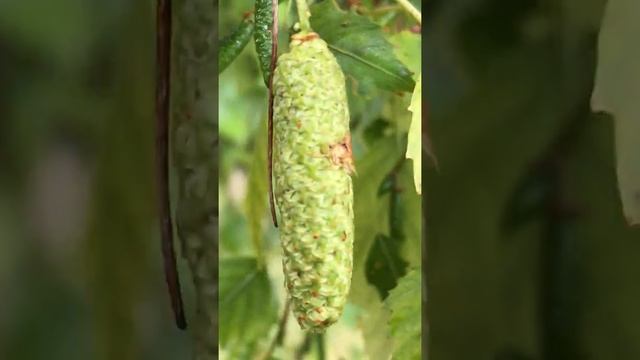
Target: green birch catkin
{"type": "Point", "coordinates": [312, 173]}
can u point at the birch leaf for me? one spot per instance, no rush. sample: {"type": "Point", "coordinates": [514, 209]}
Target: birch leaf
{"type": "Point", "coordinates": [617, 88]}
{"type": "Point", "coordinates": [414, 144]}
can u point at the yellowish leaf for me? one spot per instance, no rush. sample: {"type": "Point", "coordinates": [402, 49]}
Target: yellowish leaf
{"type": "Point", "coordinates": [414, 143]}
{"type": "Point", "coordinates": [617, 87]}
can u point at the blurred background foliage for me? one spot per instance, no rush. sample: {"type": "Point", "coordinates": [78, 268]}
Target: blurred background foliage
{"type": "Point", "coordinates": [80, 261]}
{"type": "Point", "coordinates": [529, 254]}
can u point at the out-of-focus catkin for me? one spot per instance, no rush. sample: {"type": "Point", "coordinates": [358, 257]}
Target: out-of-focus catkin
{"type": "Point", "coordinates": [312, 167]}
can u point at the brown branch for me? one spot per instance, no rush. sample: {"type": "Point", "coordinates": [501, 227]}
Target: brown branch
{"type": "Point", "coordinates": [274, 57]}
{"type": "Point", "coordinates": [163, 71]}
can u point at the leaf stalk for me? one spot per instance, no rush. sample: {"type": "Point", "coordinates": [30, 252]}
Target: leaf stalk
{"type": "Point", "coordinates": [408, 7]}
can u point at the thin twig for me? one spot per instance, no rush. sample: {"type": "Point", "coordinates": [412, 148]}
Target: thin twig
{"type": "Point", "coordinates": [408, 7]}
{"type": "Point", "coordinates": [321, 352]}
{"type": "Point", "coordinates": [274, 59]}
{"type": "Point", "coordinates": [395, 219]}
{"type": "Point", "coordinates": [397, 166]}
{"type": "Point", "coordinates": [379, 9]}
{"type": "Point", "coordinates": [163, 71]}
{"type": "Point", "coordinates": [385, 8]}
{"type": "Point", "coordinates": [281, 330]}
{"type": "Point", "coordinates": [304, 348]}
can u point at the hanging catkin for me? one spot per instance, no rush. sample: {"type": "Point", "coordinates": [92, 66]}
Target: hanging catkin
{"type": "Point", "coordinates": [312, 173]}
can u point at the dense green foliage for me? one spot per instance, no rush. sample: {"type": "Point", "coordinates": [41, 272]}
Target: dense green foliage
{"type": "Point", "coordinates": [529, 254]}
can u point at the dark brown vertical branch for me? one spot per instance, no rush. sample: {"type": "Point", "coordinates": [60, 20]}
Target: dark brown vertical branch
{"type": "Point", "coordinates": [163, 71]}
{"type": "Point", "coordinates": [274, 58]}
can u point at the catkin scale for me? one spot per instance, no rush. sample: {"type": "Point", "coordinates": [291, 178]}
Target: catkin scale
{"type": "Point", "coordinates": [312, 169]}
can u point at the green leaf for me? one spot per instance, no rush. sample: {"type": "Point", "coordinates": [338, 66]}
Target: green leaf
{"type": "Point", "coordinates": [408, 48]}
{"type": "Point", "coordinates": [617, 87]}
{"type": "Point", "coordinates": [360, 47]}
{"type": "Point", "coordinates": [234, 232]}
{"type": "Point", "coordinates": [411, 249]}
{"type": "Point", "coordinates": [247, 306]}
{"type": "Point", "coordinates": [232, 45]}
{"type": "Point", "coordinates": [414, 142]}
{"type": "Point", "coordinates": [257, 193]}
{"type": "Point", "coordinates": [384, 265]}
{"type": "Point", "coordinates": [406, 320]}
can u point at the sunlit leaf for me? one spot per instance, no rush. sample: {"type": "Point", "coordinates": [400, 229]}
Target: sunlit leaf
{"type": "Point", "coordinates": [408, 48]}
{"type": "Point", "coordinates": [617, 88]}
{"type": "Point", "coordinates": [414, 143]}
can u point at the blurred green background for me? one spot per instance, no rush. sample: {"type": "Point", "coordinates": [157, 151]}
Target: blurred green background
{"type": "Point", "coordinates": [529, 255]}
{"type": "Point", "coordinates": [80, 261]}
